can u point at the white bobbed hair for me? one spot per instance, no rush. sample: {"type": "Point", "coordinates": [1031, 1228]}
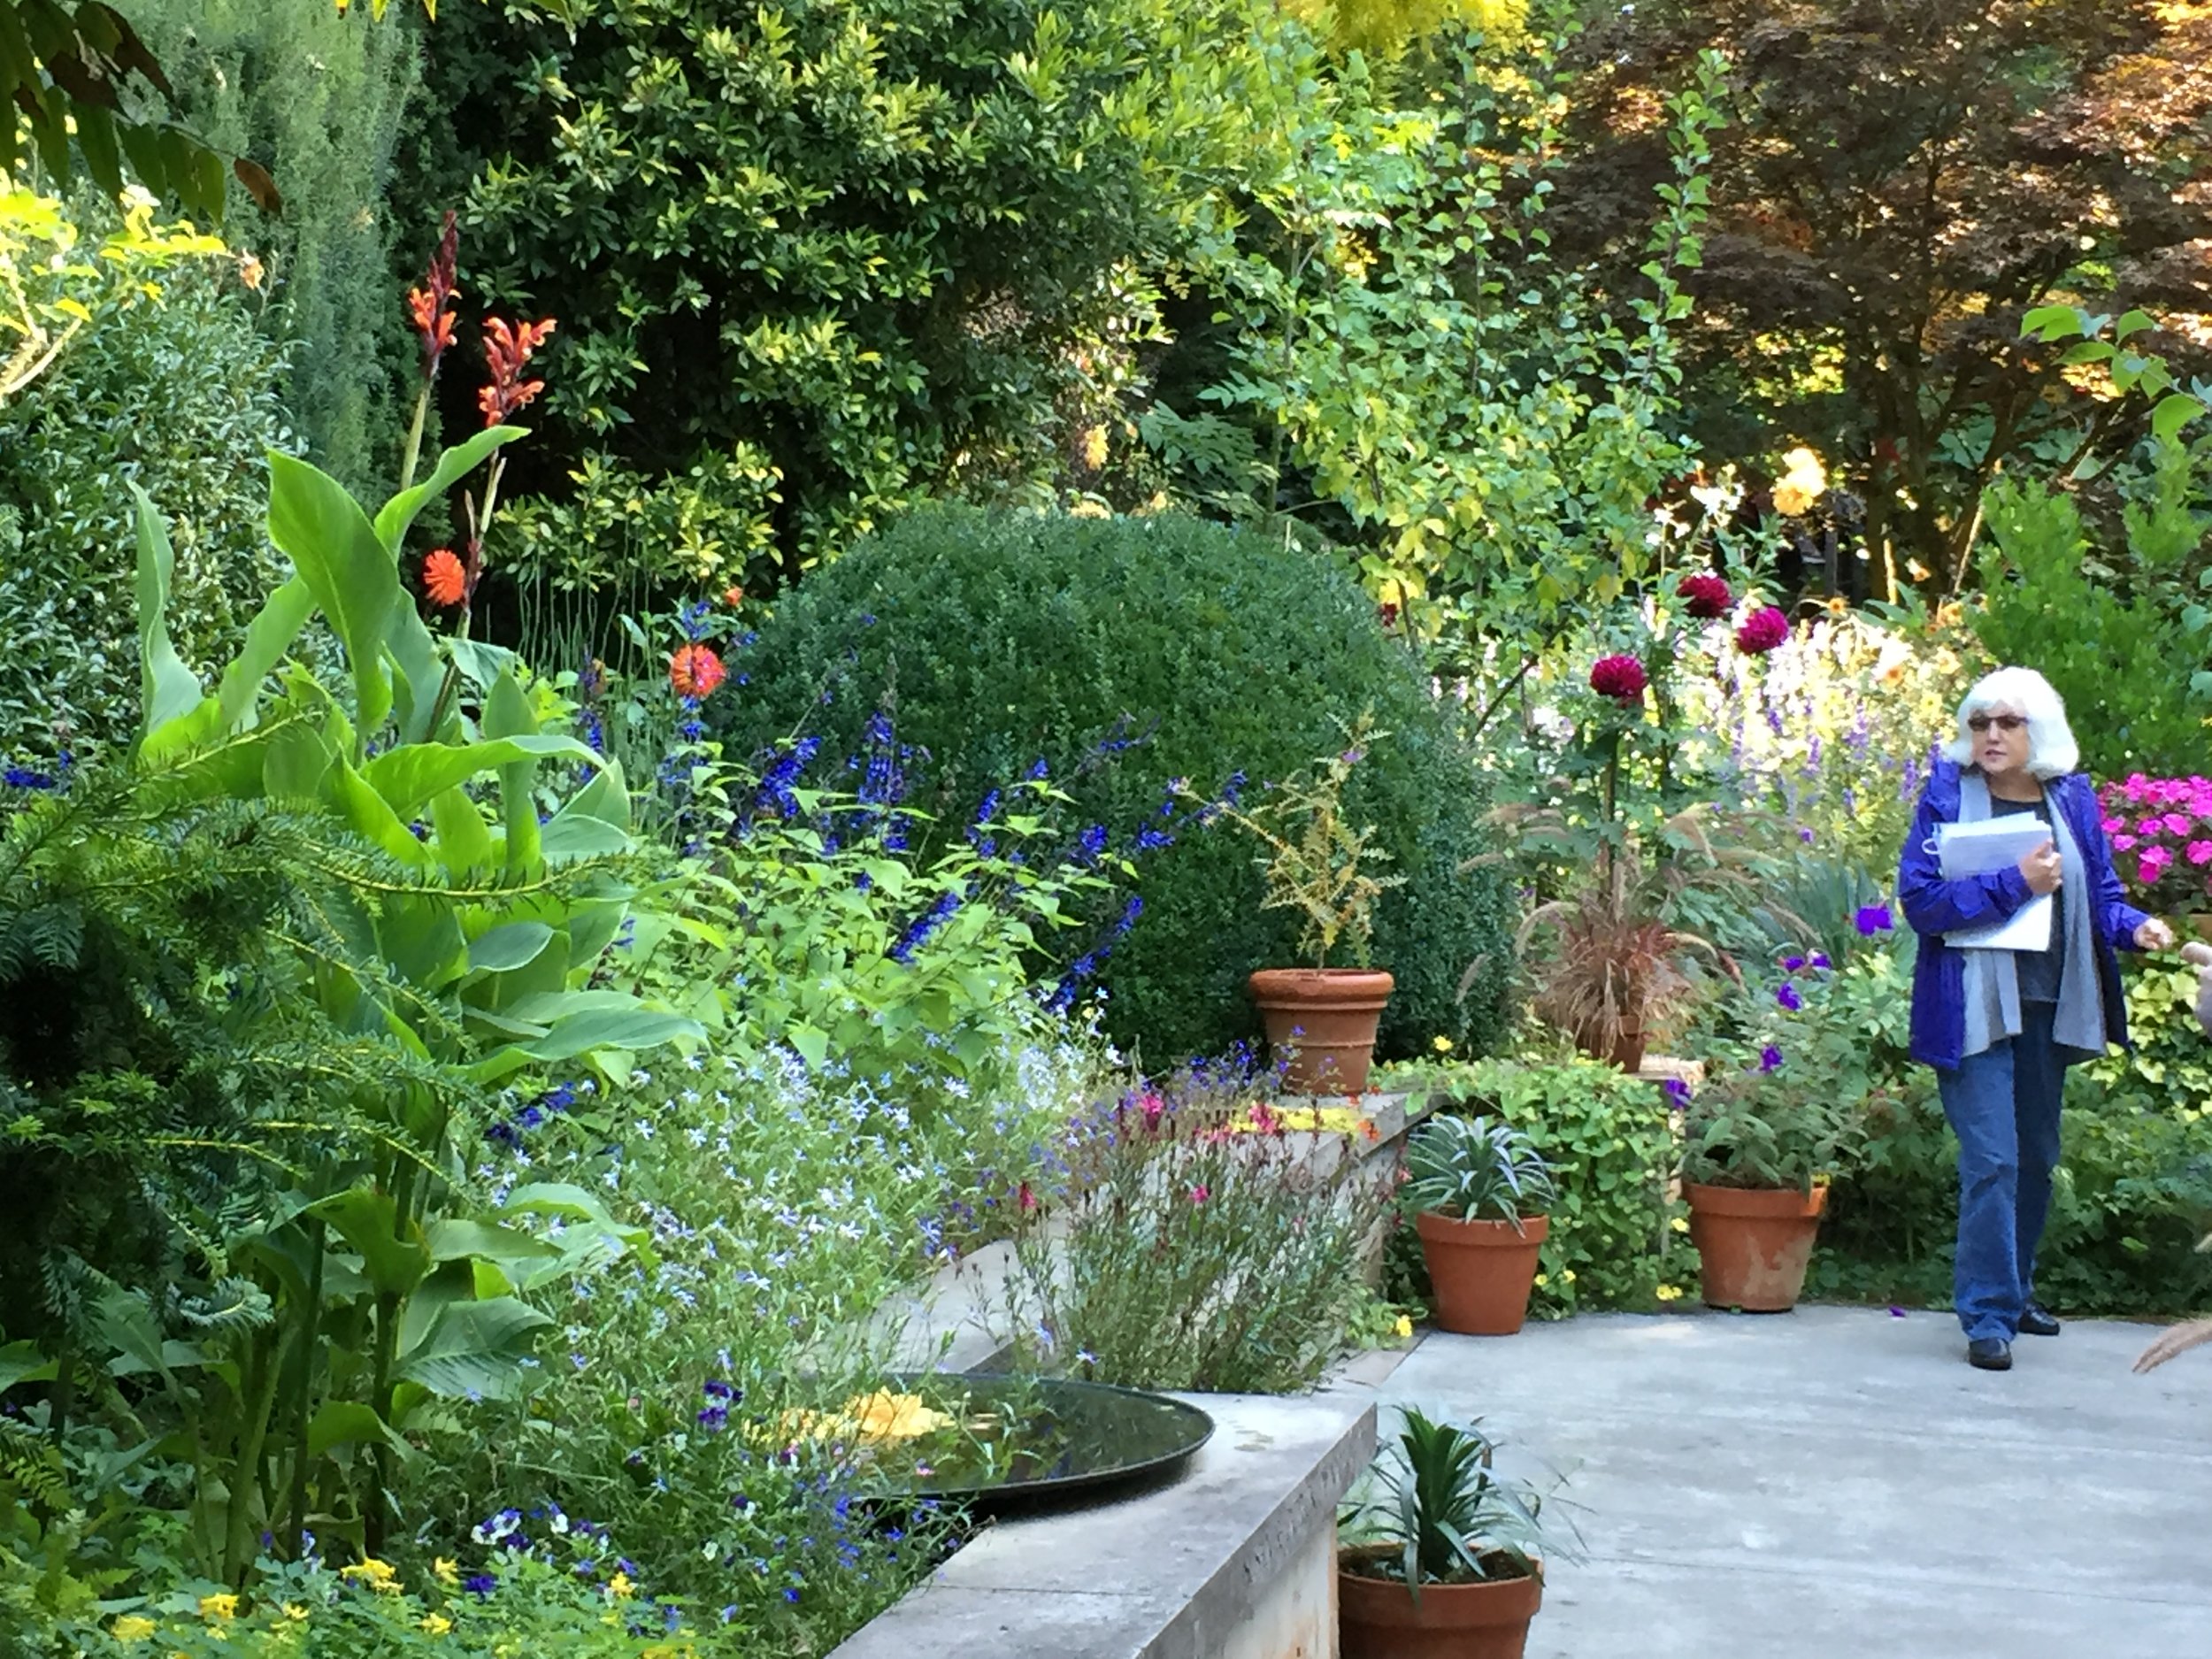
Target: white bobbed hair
{"type": "Point", "coordinates": [2051, 749]}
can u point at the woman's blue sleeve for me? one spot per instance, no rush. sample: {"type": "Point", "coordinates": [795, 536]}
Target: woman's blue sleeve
{"type": "Point", "coordinates": [1933, 905]}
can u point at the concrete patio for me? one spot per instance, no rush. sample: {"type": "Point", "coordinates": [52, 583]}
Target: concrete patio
{"type": "Point", "coordinates": [1838, 1481]}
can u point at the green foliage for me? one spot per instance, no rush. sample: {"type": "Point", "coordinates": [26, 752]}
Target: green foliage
{"type": "Point", "coordinates": [1610, 1150]}
{"type": "Point", "coordinates": [1404, 351]}
{"type": "Point", "coordinates": [316, 94]}
{"type": "Point", "coordinates": [1180, 1257]}
{"type": "Point", "coordinates": [1129, 654]}
{"type": "Point", "coordinates": [1441, 1514]}
{"type": "Point", "coordinates": [1471, 1169]}
{"type": "Point", "coordinates": [171, 390]}
{"type": "Point", "coordinates": [1316, 863]}
{"type": "Point", "coordinates": [914, 220]}
{"type": "Point", "coordinates": [2115, 629]}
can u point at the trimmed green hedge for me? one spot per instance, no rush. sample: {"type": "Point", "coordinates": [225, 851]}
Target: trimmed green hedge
{"type": "Point", "coordinates": [1000, 638]}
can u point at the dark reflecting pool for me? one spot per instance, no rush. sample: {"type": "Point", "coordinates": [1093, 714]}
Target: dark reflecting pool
{"type": "Point", "coordinates": [989, 1441]}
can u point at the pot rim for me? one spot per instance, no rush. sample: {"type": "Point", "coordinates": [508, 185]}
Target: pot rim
{"type": "Point", "coordinates": [1530, 1229]}
{"type": "Point", "coordinates": [1348, 1554]}
{"type": "Point", "coordinates": [1756, 1200]}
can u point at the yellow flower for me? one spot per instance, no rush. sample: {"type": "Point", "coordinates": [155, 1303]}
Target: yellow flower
{"type": "Point", "coordinates": [1442, 1045]}
{"type": "Point", "coordinates": [1094, 447]}
{"type": "Point", "coordinates": [1838, 605]}
{"type": "Point", "coordinates": [619, 1586]}
{"type": "Point", "coordinates": [378, 1574]}
{"type": "Point", "coordinates": [1792, 499]}
{"type": "Point", "coordinates": [447, 1569]}
{"type": "Point", "coordinates": [1669, 1292]}
{"type": "Point", "coordinates": [222, 1606]}
{"type": "Point", "coordinates": [293, 1610]}
{"type": "Point", "coordinates": [130, 1627]}
{"type": "Point", "coordinates": [436, 1624]}
{"type": "Point", "coordinates": [1680, 1223]}
{"type": "Point", "coordinates": [1405, 1325]}
{"type": "Point", "coordinates": [1543, 1279]}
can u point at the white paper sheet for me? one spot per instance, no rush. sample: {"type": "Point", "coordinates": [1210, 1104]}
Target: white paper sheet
{"type": "Point", "coordinates": [1997, 843]}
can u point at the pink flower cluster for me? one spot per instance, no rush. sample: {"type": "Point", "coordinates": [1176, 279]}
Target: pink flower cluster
{"type": "Point", "coordinates": [2161, 839]}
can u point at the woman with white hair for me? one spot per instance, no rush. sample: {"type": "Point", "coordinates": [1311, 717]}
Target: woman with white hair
{"type": "Point", "coordinates": [2002, 1026]}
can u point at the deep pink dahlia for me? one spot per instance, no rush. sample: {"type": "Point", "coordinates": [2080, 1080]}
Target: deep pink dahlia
{"type": "Point", "coordinates": [1762, 630]}
{"type": "Point", "coordinates": [1619, 678]}
{"type": "Point", "coordinates": [1706, 596]}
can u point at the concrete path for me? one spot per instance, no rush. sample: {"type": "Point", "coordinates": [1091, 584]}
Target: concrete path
{"type": "Point", "coordinates": [1839, 1481]}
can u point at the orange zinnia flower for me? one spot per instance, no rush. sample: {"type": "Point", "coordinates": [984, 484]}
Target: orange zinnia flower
{"type": "Point", "coordinates": [695, 670]}
{"type": "Point", "coordinates": [443, 578]}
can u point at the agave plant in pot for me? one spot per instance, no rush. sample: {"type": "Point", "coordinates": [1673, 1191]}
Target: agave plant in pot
{"type": "Point", "coordinates": [1440, 1555]}
{"type": "Point", "coordinates": [1478, 1190]}
{"type": "Point", "coordinates": [1321, 1020]}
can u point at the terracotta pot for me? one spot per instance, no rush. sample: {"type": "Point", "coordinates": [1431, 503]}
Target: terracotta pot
{"type": "Point", "coordinates": [1377, 1618]}
{"type": "Point", "coordinates": [1483, 1271]}
{"type": "Point", "coordinates": [1322, 1022]}
{"type": "Point", "coordinates": [1625, 1049]}
{"type": "Point", "coordinates": [1752, 1243]}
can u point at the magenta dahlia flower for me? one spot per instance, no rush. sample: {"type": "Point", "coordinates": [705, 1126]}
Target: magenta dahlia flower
{"type": "Point", "coordinates": [1620, 678]}
{"type": "Point", "coordinates": [1762, 630]}
{"type": "Point", "coordinates": [1706, 596]}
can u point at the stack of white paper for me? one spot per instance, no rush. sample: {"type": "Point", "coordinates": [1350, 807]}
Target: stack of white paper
{"type": "Point", "coordinates": [1996, 843]}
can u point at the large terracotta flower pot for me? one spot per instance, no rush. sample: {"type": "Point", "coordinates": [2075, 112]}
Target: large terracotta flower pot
{"type": "Point", "coordinates": [1482, 1270]}
{"type": "Point", "coordinates": [1321, 1024]}
{"type": "Point", "coordinates": [1377, 1618]}
{"type": "Point", "coordinates": [1752, 1243]}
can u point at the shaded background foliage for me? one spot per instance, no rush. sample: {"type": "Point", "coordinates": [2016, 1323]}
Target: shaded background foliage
{"type": "Point", "coordinates": [996, 638]}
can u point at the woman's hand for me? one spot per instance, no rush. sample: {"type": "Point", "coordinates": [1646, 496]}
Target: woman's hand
{"type": "Point", "coordinates": [2153, 935]}
{"type": "Point", "coordinates": [2041, 868]}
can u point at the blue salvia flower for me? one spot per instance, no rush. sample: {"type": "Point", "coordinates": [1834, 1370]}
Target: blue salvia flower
{"type": "Point", "coordinates": [693, 619]}
{"type": "Point", "coordinates": [1037, 773]}
{"type": "Point", "coordinates": [23, 777]}
{"type": "Point", "coordinates": [919, 931]}
{"type": "Point", "coordinates": [988, 810]}
{"type": "Point", "coordinates": [1149, 837]}
{"type": "Point", "coordinates": [1092, 846]}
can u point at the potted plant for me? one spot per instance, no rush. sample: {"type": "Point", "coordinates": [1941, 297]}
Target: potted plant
{"type": "Point", "coordinates": [1758, 1145]}
{"type": "Point", "coordinates": [1320, 1020]}
{"type": "Point", "coordinates": [1440, 1559]}
{"type": "Point", "coordinates": [1477, 1189]}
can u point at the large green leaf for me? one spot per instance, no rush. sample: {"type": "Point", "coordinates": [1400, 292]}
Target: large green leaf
{"type": "Point", "coordinates": [501, 950]}
{"type": "Point", "coordinates": [410, 774]}
{"type": "Point", "coordinates": [332, 544]}
{"type": "Point", "coordinates": [268, 636]}
{"type": "Point", "coordinates": [167, 689]}
{"type": "Point", "coordinates": [370, 814]}
{"type": "Point", "coordinates": [349, 1422]}
{"type": "Point", "coordinates": [369, 1222]}
{"type": "Point", "coordinates": [393, 517]}
{"type": "Point", "coordinates": [626, 1028]}
{"type": "Point", "coordinates": [19, 1362]}
{"type": "Point", "coordinates": [463, 1239]}
{"type": "Point", "coordinates": [507, 714]}
{"type": "Point", "coordinates": [474, 1349]}
{"type": "Point", "coordinates": [418, 676]}
{"type": "Point", "coordinates": [458, 836]}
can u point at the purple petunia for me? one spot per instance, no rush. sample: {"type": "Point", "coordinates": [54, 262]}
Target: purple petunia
{"type": "Point", "coordinates": [1677, 1091]}
{"type": "Point", "coordinates": [1787, 994]}
{"type": "Point", "coordinates": [1872, 919]}
{"type": "Point", "coordinates": [1770, 1058]}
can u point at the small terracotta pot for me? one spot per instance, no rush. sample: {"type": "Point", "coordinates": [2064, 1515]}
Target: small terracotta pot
{"type": "Point", "coordinates": [1482, 1270]}
{"type": "Point", "coordinates": [1752, 1243]}
{"type": "Point", "coordinates": [1377, 1618]}
{"type": "Point", "coordinates": [1322, 1022]}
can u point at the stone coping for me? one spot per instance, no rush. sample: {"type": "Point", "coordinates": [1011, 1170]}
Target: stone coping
{"type": "Point", "coordinates": [1172, 1573]}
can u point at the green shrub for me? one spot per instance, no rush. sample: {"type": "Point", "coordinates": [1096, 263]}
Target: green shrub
{"type": "Point", "coordinates": [316, 94]}
{"type": "Point", "coordinates": [1611, 1149]}
{"type": "Point", "coordinates": [177, 394]}
{"type": "Point", "coordinates": [1126, 654]}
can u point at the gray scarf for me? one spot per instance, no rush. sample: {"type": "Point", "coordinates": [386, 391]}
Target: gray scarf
{"type": "Point", "coordinates": [1993, 978]}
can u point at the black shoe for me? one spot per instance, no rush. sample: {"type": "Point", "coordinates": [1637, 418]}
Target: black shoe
{"type": "Point", "coordinates": [1989, 1353]}
{"type": "Point", "coordinates": [2037, 1320]}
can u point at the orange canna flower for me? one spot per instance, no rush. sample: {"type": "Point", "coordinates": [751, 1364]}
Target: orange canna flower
{"type": "Point", "coordinates": [428, 307]}
{"type": "Point", "coordinates": [695, 670]}
{"type": "Point", "coordinates": [508, 351]}
{"type": "Point", "coordinates": [443, 578]}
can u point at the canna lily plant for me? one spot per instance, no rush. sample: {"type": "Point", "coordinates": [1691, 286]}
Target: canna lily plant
{"type": "Point", "coordinates": [467, 909]}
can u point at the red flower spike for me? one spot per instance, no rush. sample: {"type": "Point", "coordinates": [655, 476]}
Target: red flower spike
{"type": "Point", "coordinates": [695, 670]}
{"type": "Point", "coordinates": [1762, 630]}
{"type": "Point", "coordinates": [1620, 678]}
{"type": "Point", "coordinates": [1705, 596]}
{"type": "Point", "coordinates": [443, 578]}
{"type": "Point", "coordinates": [429, 306]}
{"type": "Point", "coordinates": [507, 350]}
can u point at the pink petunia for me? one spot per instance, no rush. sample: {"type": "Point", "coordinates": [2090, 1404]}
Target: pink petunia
{"type": "Point", "coordinates": [2109, 824]}
{"type": "Point", "coordinates": [2201, 852]}
{"type": "Point", "coordinates": [2177, 824]}
{"type": "Point", "coordinates": [2153, 865]}
{"type": "Point", "coordinates": [2151, 825]}
{"type": "Point", "coordinates": [2123, 843]}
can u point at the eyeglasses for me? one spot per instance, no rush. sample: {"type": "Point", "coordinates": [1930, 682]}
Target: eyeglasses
{"type": "Point", "coordinates": [2002, 722]}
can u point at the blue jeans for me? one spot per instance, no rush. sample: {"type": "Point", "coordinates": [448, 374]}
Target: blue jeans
{"type": "Point", "coordinates": [2003, 1104]}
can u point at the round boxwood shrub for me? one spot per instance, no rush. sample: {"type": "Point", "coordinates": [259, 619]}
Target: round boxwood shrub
{"type": "Point", "coordinates": [1126, 653]}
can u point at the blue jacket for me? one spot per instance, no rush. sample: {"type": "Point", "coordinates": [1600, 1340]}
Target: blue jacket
{"type": "Point", "coordinates": [1934, 907]}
